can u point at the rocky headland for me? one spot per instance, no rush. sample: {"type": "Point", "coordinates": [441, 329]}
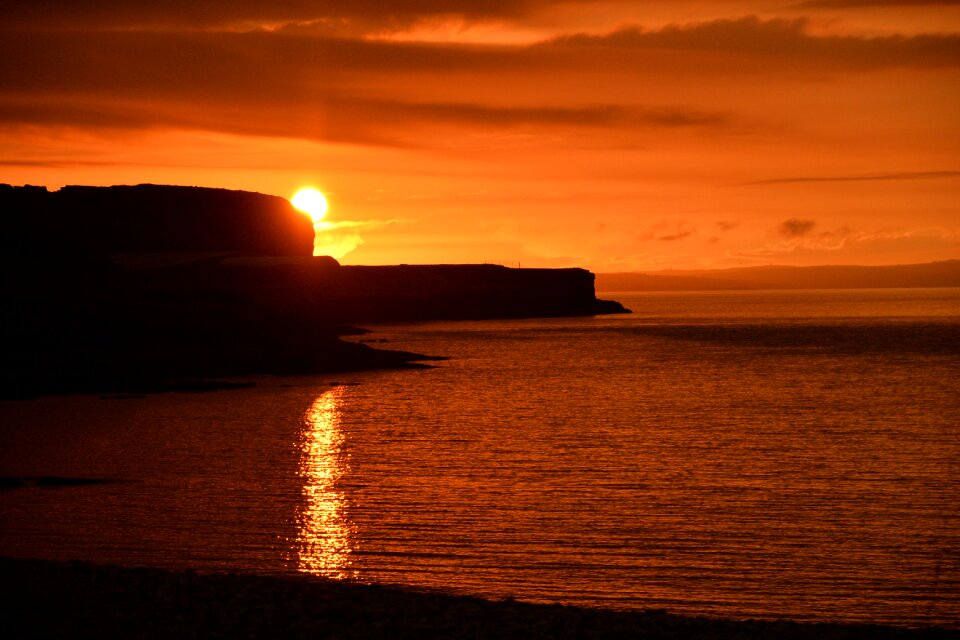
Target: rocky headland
{"type": "Point", "coordinates": [144, 288]}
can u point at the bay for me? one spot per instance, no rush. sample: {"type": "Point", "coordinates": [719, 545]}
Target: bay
{"type": "Point", "coordinates": [738, 454]}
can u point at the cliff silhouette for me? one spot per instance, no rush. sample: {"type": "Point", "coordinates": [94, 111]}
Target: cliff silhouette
{"type": "Point", "coordinates": [147, 287]}
{"type": "Point", "coordinates": [81, 221]}
{"type": "Point", "coordinates": [322, 289]}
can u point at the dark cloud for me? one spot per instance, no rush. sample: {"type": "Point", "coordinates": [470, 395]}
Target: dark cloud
{"type": "Point", "coordinates": [341, 119]}
{"type": "Point", "coordinates": [378, 92]}
{"type": "Point", "coordinates": [780, 42]}
{"type": "Point", "coordinates": [283, 66]}
{"type": "Point", "coordinates": [725, 226]}
{"type": "Point", "coordinates": [902, 175]}
{"type": "Point", "coordinates": [671, 237]}
{"type": "Point", "coordinates": [273, 84]}
{"type": "Point", "coordinates": [796, 228]}
{"type": "Point", "coordinates": [665, 231]}
{"type": "Point", "coordinates": [273, 64]}
{"type": "Point", "coordinates": [148, 14]}
{"type": "Point", "coordinates": [591, 116]}
{"type": "Point", "coordinates": [355, 16]}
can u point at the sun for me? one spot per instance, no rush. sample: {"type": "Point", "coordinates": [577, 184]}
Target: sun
{"type": "Point", "coordinates": [311, 202]}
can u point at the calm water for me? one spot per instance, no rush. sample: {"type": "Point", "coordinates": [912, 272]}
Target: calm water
{"type": "Point", "coordinates": [754, 454]}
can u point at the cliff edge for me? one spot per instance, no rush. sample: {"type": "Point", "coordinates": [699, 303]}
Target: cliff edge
{"type": "Point", "coordinates": [81, 221]}
{"type": "Point", "coordinates": [148, 287]}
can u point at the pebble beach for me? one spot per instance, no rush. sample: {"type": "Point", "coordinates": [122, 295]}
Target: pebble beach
{"type": "Point", "coordinates": [80, 600]}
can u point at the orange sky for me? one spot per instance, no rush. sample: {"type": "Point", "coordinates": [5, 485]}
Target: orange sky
{"type": "Point", "coordinates": [617, 136]}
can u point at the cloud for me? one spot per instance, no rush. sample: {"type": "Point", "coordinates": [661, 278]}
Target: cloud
{"type": "Point", "coordinates": [336, 244]}
{"type": "Point", "coordinates": [401, 94]}
{"type": "Point", "coordinates": [337, 238]}
{"type": "Point", "coordinates": [346, 119]}
{"type": "Point", "coordinates": [665, 231]}
{"type": "Point", "coordinates": [802, 242]}
{"type": "Point", "coordinates": [796, 228]}
{"type": "Point", "coordinates": [725, 226]}
{"type": "Point", "coordinates": [780, 42]}
{"type": "Point", "coordinates": [680, 235]}
{"type": "Point", "coordinates": [920, 243]}
{"type": "Point", "coordinates": [945, 235]}
{"type": "Point", "coordinates": [588, 116]}
{"type": "Point", "coordinates": [359, 15]}
{"type": "Point", "coordinates": [903, 175]}
{"type": "Point", "coordinates": [854, 4]}
{"type": "Point", "coordinates": [385, 93]}
{"type": "Point", "coordinates": [279, 85]}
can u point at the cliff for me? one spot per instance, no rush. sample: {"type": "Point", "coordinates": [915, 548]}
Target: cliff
{"type": "Point", "coordinates": [148, 287]}
{"type": "Point", "coordinates": [320, 288]}
{"type": "Point", "coordinates": [88, 222]}
{"type": "Point", "coordinates": [430, 292]}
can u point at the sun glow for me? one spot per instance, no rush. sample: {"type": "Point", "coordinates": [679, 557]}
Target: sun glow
{"type": "Point", "coordinates": [311, 202]}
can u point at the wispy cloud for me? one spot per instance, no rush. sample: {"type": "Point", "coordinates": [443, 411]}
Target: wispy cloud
{"type": "Point", "coordinates": [668, 231]}
{"type": "Point", "coordinates": [902, 175]}
{"type": "Point", "coordinates": [346, 119]}
{"type": "Point", "coordinates": [356, 15]}
{"type": "Point", "coordinates": [852, 4]}
{"type": "Point", "coordinates": [847, 241]}
{"type": "Point", "coordinates": [782, 42]}
{"type": "Point", "coordinates": [802, 241]}
{"type": "Point", "coordinates": [339, 238]}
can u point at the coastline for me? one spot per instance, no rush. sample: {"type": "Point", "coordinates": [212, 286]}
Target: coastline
{"type": "Point", "coordinates": [75, 599]}
{"type": "Point", "coordinates": [207, 286]}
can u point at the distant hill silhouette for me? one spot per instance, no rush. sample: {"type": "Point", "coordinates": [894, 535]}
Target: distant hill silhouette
{"type": "Point", "coordinates": [933, 274]}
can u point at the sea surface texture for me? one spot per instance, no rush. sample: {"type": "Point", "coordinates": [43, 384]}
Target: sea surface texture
{"type": "Point", "coordinates": [744, 454]}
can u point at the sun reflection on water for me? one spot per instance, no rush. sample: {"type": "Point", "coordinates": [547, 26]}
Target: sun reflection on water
{"type": "Point", "coordinates": [323, 531]}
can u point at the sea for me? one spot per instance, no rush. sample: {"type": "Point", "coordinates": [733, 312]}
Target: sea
{"type": "Point", "coordinates": [754, 454]}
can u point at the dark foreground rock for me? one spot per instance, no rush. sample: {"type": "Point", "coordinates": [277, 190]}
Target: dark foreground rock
{"type": "Point", "coordinates": [97, 332]}
{"type": "Point", "coordinates": [100, 327]}
{"type": "Point", "coordinates": [74, 600]}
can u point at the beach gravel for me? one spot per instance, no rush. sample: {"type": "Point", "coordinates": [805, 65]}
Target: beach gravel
{"type": "Point", "coordinates": [44, 599]}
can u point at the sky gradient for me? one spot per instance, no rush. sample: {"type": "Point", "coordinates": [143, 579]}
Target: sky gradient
{"type": "Point", "coordinates": [616, 136]}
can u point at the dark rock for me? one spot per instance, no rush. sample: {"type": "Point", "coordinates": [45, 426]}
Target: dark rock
{"type": "Point", "coordinates": [149, 219]}
{"type": "Point", "coordinates": [151, 288]}
{"type": "Point", "coordinates": [312, 287]}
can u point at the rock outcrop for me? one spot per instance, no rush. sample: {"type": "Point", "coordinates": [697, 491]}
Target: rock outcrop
{"type": "Point", "coordinates": [85, 221]}
{"type": "Point", "coordinates": [320, 288]}
{"type": "Point", "coordinates": [131, 289]}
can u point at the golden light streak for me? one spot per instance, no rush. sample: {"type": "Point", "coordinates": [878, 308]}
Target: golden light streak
{"type": "Point", "coordinates": [323, 530]}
